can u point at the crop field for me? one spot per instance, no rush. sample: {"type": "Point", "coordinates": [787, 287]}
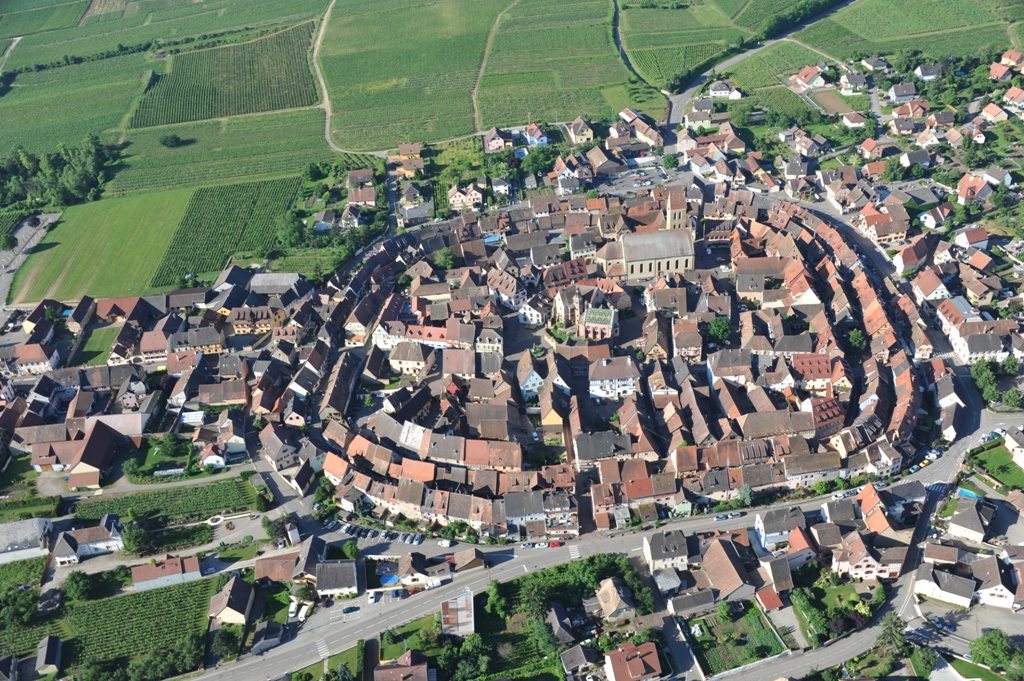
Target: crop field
{"type": "Point", "coordinates": [759, 10]}
{"type": "Point", "coordinates": [730, 8]}
{"type": "Point", "coordinates": [120, 627]}
{"type": "Point", "coordinates": [147, 21]}
{"type": "Point", "coordinates": [544, 70]}
{"type": "Point", "coordinates": [767, 67]}
{"type": "Point", "coordinates": [105, 249]}
{"type": "Point", "coordinates": [22, 573]}
{"type": "Point", "coordinates": [221, 220]}
{"type": "Point", "coordinates": [262, 75]}
{"type": "Point", "coordinates": [69, 103]}
{"type": "Point", "coordinates": [397, 71]}
{"type": "Point", "coordinates": [173, 505]}
{"type": "Point", "coordinates": [935, 27]}
{"type": "Point", "coordinates": [41, 19]}
{"type": "Point", "coordinates": [225, 150]}
{"type": "Point", "coordinates": [782, 99]}
{"type": "Point", "coordinates": [305, 261]}
{"type": "Point", "coordinates": [659, 65]}
{"type": "Point", "coordinates": [8, 221]}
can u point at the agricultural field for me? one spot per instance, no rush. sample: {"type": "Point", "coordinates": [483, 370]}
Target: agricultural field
{"type": "Point", "coordinates": [757, 11]}
{"type": "Point", "coordinates": [934, 27]}
{"type": "Point", "coordinates": [221, 220]}
{"type": "Point", "coordinates": [67, 104]}
{"type": "Point", "coordinates": [105, 249]}
{"type": "Point", "coordinates": [8, 221]}
{"type": "Point", "coordinates": [22, 573]}
{"type": "Point", "coordinates": [398, 71]}
{"type": "Point", "coordinates": [95, 349]}
{"type": "Point", "coordinates": [41, 19]}
{"type": "Point", "coordinates": [121, 627]}
{"type": "Point", "coordinates": [172, 505]}
{"type": "Point", "coordinates": [305, 261]}
{"type": "Point", "coordinates": [232, 149]}
{"type": "Point", "coordinates": [553, 61]}
{"type": "Point", "coordinates": [770, 66]}
{"type": "Point", "coordinates": [782, 99]}
{"type": "Point", "coordinates": [261, 75]}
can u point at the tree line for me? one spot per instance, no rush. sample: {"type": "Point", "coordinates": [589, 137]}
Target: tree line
{"type": "Point", "coordinates": [71, 174]}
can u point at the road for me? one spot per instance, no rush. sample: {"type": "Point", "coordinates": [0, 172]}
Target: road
{"type": "Point", "coordinates": [27, 237]}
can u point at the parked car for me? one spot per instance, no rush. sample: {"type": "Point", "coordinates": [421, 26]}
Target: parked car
{"type": "Point", "coordinates": [293, 608]}
{"type": "Point", "coordinates": [332, 524]}
{"type": "Point", "coordinates": [527, 545]}
{"type": "Point", "coordinates": [542, 545]}
{"type": "Point", "coordinates": [207, 571]}
{"type": "Point", "coordinates": [736, 514]}
{"type": "Point", "coordinates": [554, 544]}
{"type": "Point", "coordinates": [721, 517]}
{"type": "Point", "coordinates": [915, 468]}
{"type": "Point", "coordinates": [446, 543]}
{"type": "Point", "coordinates": [350, 609]}
{"type": "Point", "coordinates": [925, 464]}
{"type": "Point", "coordinates": [418, 539]}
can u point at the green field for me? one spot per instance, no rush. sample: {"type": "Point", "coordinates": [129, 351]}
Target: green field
{"type": "Point", "coordinates": [66, 104]}
{"type": "Point", "coordinates": [935, 27]}
{"type": "Point", "coordinates": [95, 349]}
{"type": "Point", "coordinates": [22, 573]}
{"type": "Point", "coordinates": [105, 249]}
{"type": "Point", "coordinates": [771, 65]}
{"type": "Point", "coordinates": [221, 220]}
{"type": "Point", "coordinates": [399, 71]}
{"type": "Point", "coordinates": [42, 19]}
{"type": "Point", "coordinates": [782, 99]}
{"type": "Point", "coordinates": [262, 75]}
{"type": "Point", "coordinates": [232, 149]}
{"type": "Point", "coordinates": [554, 61]}
{"type": "Point", "coordinates": [305, 261]}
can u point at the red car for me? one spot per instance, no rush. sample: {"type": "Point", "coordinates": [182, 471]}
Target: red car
{"type": "Point", "coordinates": [554, 544]}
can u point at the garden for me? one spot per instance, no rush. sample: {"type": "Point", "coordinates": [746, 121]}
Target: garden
{"type": "Point", "coordinates": [827, 606]}
{"type": "Point", "coordinates": [728, 639]}
{"type": "Point", "coordinates": [174, 504]}
{"type": "Point", "coordinates": [997, 462]}
{"type": "Point", "coordinates": [22, 573]}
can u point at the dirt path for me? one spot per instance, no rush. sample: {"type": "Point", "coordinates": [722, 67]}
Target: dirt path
{"type": "Point", "coordinates": [483, 64]}
{"type": "Point", "coordinates": [826, 56]}
{"type": "Point", "coordinates": [3, 59]}
{"type": "Point", "coordinates": [326, 104]}
{"type": "Point", "coordinates": [1009, 33]}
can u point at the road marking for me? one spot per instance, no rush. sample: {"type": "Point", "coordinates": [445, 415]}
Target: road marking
{"type": "Point", "coordinates": [525, 570]}
{"type": "Point", "coordinates": [574, 552]}
{"type": "Point", "coordinates": [322, 649]}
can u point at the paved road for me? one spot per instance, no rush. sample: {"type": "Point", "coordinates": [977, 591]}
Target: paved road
{"type": "Point", "coordinates": [27, 237]}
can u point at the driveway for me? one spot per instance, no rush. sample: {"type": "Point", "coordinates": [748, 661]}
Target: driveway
{"type": "Point", "coordinates": [785, 619]}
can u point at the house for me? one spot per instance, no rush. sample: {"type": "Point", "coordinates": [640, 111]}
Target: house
{"type": "Point", "coordinates": [535, 137]}
{"type": "Point", "coordinates": [559, 622]}
{"type": "Point", "coordinates": [810, 77]}
{"type": "Point", "coordinates": [496, 140]}
{"type": "Point", "coordinates": [854, 120]}
{"type": "Point", "coordinates": [458, 618]}
{"type": "Point", "coordinates": [972, 236]}
{"type": "Point", "coordinates": [464, 199]}
{"type": "Point", "coordinates": [918, 157]}
{"type": "Point", "coordinates": [875, 64]}
{"type": "Point", "coordinates": [993, 113]}
{"type": "Point", "coordinates": [630, 662]}
{"type": "Point", "coordinates": [852, 82]}
{"type": "Point", "coordinates": [616, 600]}
{"type": "Point", "coordinates": [775, 525]}
{"type": "Point", "coordinates": [1000, 72]}
{"type": "Point", "coordinates": [857, 558]}
{"type": "Point", "coordinates": [723, 90]}
{"type": "Point", "coordinates": [233, 603]}
{"type": "Point", "coordinates": [24, 539]}
{"type": "Point", "coordinates": [943, 586]}
{"type": "Point", "coordinates": [579, 660]}
{"type": "Point", "coordinates": [580, 132]}
{"type": "Point", "coordinates": [613, 378]}
{"type": "Point", "coordinates": [902, 92]}
{"type": "Point", "coordinates": [164, 572]}
{"type": "Point", "coordinates": [336, 578]}
{"type": "Point", "coordinates": [971, 519]}
{"type": "Point", "coordinates": [928, 72]}
{"type": "Point", "coordinates": [996, 176]}
{"type": "Point", "coordinates": [972, 188]}
{"type": "Point", "coordinates": [269, 634]}
{"type": "Point", "coordinates": [74, 545]}
{"type": "Point", "coordinates": [996, 583]}
{"type": "Point", "coordinates": [666, 550]}
{"type": "Point", "coordinates": [278, 446]}
{"type": "Point", "coordinates": [411, 666]}
{"type": "Point", "coordinates": [48, 656]}
{"type": "Point", "coordinates": [411, 358]}
{"type": "Point", "coordinates": [729, 579]}
{"type": "Point", "coordinates": [801, 548]}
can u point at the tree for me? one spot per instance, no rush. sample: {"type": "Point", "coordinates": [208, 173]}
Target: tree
{"type": "Point", "coordinates": [368, 400]}
{"type": "Point", "coordinates": [390, 638]}
{"type": "Point", "coordinates": [720, 329]}
{"type": "Point", "coordinates": [171, 141]}
{"type": "Point", "coordinates": [290, 230]}
{"type": "Point", "coordinates": [1012, 398]}
{"type": "Point", "coordinates": [497, 604]}
{"type": "Point", "coordinates": [1011, 365]}
{"type": "Point", "coordinates": [857, 340]}
{"type": "Point", "coordinates": [893, 172]}
{"type": "Point", "coordinates": [991, 393]}
{"type": "Point", "coordinates": [306, 593]}
{"type": "Point", "coordinates": [671, 161]}
{"type": "Point", "coordinates": [993, 649]}
{"type": "Point", "coordinates": [78, 586]}
{"type": "Point", "coordinates": [540, 632]}
{"type": "Point", "coordinates": [924, 660]}
{"type": "Point", "coordinates": [724, 612]}
{"type": "Point", "coordinates": [225, 643]}
{"type": "Point", "coordinates": [350, 549]}
{"type": "Point", "coordinates": [8, 242]}
{"type": "Point", "coordinates": [822, 487]}
{"type": "Point", "coordinates": [837, 625]}
{"type": "Point", "coordinates": [983, 373]}
{"type": "Point", "coordinates": [444, 259]}
{"type": "Point", "coordinates": [747, 494]}
{"type": "Point", "coordinates": [345, 674]}
{"type": "Point", "coordinates": [891, 638]}
{"type": "Point", "coordinates": [17, 607]}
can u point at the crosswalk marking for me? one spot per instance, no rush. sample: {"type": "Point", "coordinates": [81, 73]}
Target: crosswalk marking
{"type": "Point", "coordinates": [574, 552]}
{"type": "Point", "coordinates": [321, 648]}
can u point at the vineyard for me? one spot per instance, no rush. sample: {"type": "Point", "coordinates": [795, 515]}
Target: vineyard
{"type": "Point", "coordinates": [884, 19]}
{"type": "Point", "coordinates": [262, 75]}
{"type": "Point", "coordinates": [222, 220]}
{"type": "Point", "coordinates": [833, 38]}
{"type": "Point", "coordinates": [21, 573]}
{"type": "Point", "coordinates": [660, 65]}
{"type": "Point", "coordinates": [759, 10]}
{"type": "Point", "coordinates": [768, 66]}
{"type": "Point", "coordinates": [782, 100]}
{"type": "Point", "coordinates": [8, 221]}
{"type": "Point", "coordinates": [42, 19]}
{"type": "Point", "coordinates": [174, 505]}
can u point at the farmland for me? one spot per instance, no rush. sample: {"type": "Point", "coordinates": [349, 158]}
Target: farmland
{"type": "Point", "coordinates": [554, 61]}
{"type": "Point", "coordinates": [104, 249]}
{"type": "Point", "coordinates": [221, 220]}
{"type": "Point", "coordinates": [22, 573]}
{"type": "Point", "coordinates": [398, 71]}
{"type": "Point", "coordinates": [783, 100]}
{"type": "Point", "coordinates": [175, 504]}
{"type": "Point", "coordinates": [261, 75]}
{"type": "Point", "coordinates": [934, 27]}
{"type": "Point", "coordinates": [121, 627]}
{"type": "Point", "coordinates": [8, 221]}
{"type": "Point", "coordinates": [42, 19]}
{"type": "Point", "coordinates": [769, 66]}
{"type": "Point", "coordinates": [66, 104]}
{"type": "Point", "coordinates": [225, 150]}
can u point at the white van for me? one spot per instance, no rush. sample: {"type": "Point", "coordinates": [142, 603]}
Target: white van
{"type": "Point", "coordinates": [444, 542]}
{"type": "Point", "coordinates": [302, 613]}
{"type": "Point", "coordinates": [292, 609]}
{"type": "Point", "coordinates": [371, 597]}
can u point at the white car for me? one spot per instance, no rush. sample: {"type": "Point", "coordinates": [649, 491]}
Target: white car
{"type": "Point", "coordinates": [444, 542]}
{"type": "Point", "coordinates": [293, 608]}
{"type": "Point", "coordinates": [542, 545]}
{"type": "Point", "coordinates": [303, 613]}
{"type": "Point", "coordinates": [932, 457]}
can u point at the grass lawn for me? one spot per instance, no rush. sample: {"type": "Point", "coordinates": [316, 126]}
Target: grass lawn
{"type": "Point", "coordinates": [348, 657]}
{"type": "Point", "coordinates": [834, 595]}
{"type": "Point", "coordinates": [999, 464]}
{"type": "Point", "coordinates": [406, 632]}
{"type": "Point", "coordinates": [95, 349]}
{"type": "Point", "coordinates": [238, 553]}
{"type": "Point", "coordinates": [107, 248]}
{"type": "Point", "coordinates": [372, 578]}
{"type": "Point", "coordinates": [19, 475]}
{"type": "Point", "coordinates": [276, 599]}
{"type": "Point", "coordinates": [973, 671]}
{"type": "Point", "coordinates": [971, 487]}
{"type": "Point", "coordinates": [105, 584]}
{"type": "Point", "coordinates": [950, 508]}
